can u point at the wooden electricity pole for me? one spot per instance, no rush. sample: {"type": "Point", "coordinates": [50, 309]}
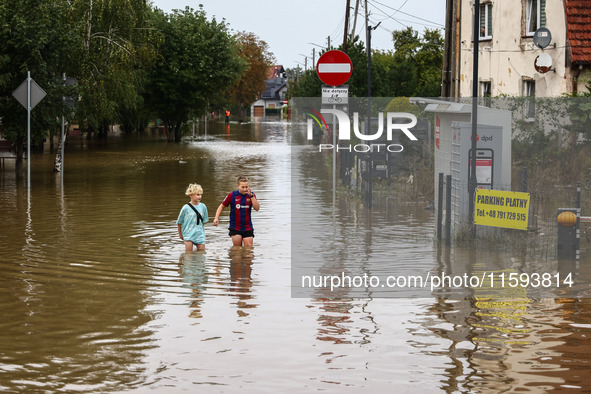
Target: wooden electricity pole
{"type": "Point", "coordinates": [346, 29]}
{"type": "Point", "coordinates": [354, 21]}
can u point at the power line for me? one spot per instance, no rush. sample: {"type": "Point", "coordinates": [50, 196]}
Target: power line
{"type": "Point", "coordinates": [422, 44]}
{"type": "Point", "coordinates": [340, 27]}
{"type": "Point", "coordinates": [392, 16]}
{"type": "Point", "coordinates": [400, 21]}
{"type": "Point", "coordinates": [405, 13]}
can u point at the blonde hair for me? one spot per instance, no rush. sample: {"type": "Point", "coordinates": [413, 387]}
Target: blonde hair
{"type": "Point", "coordinates": [194, 188]}
{"type": "Point", "coordinates": [241, 178]}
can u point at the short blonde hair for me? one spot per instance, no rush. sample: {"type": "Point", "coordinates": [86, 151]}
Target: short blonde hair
{"type": "Point", "coordinates": [240, 179]}
{"type": "Point", "coordinates": [194, 188]}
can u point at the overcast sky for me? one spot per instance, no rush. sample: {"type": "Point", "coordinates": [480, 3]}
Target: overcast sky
{"type": "Point", "coordinates": [294, 28]}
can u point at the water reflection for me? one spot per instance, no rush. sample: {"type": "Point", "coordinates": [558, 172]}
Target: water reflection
{"type": "Point", "coordinates": [99, 296]}
{"type": "Point", "coordinates": [505, 340]}
{"type": "Point", "coordinates": [241, 263]}
{"type": "Point", "coordinates": [496, 338]}
{"type": "Point", "coordinates": [512, 345]}
{"type": "Point", "coordinates": [193, 271]}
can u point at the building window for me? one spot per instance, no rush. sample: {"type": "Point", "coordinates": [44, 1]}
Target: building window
{"type": "Point", "coordinates": [534, 15]}
{"type": "Point", "coordinates": [486, 21]}
{"type": "Point", "coordinates": [529, 91]}
{"type": "Point", "coordinates": [485, 93]}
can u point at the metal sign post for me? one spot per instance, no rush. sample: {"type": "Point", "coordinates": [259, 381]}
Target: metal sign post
{"type": "Point", "coordinates": [63, 137]}
{"type": "Point", "coordinates": [334, 68]}
{"type": "Point", "coordinates": [29, 130]}
{"type": "Point", "coordinates": [29, 94]}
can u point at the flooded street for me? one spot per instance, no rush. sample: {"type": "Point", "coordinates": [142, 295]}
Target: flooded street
{"type": "Point", "coordinates": [97, 293]}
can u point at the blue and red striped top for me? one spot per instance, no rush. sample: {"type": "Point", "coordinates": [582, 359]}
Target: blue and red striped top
{"type": "Point", "coordinates": [240, 211]}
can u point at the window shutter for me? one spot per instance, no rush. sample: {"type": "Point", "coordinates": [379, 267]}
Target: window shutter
{"type": "Point", "coordinates": [542, 13]}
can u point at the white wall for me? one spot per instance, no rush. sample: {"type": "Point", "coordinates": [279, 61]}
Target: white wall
{"type": "Point", "coordinates": [508, 58]}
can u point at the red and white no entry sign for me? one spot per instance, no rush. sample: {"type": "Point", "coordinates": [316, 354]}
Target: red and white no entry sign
{"type": "Point", "coordinates": [334, 68]}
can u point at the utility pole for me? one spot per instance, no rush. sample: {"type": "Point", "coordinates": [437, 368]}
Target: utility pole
{"type": "Point", "coordinates": [366, 28]}
{"type": "Point", "coordinates": [368, 47]}
{"type": "Point", "coordinates": [346, 29]}
{"type": "Point", "coordinates": [305, 62]}
{"type": "Point", "coordinates": [369, 29]}
{"type": "Point", "coordinates": [447, 51]}
{"type": "Point", "coordinates": [354, 21]}
{"type": "Point", "coordinates": [328, 38]}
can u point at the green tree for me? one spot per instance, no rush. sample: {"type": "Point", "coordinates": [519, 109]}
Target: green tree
{"type": "Point", "coordinates": [197, 60]}
{"type": "Point", "coordinates": [307, 85]}
{"type": "Point", "coordinates": [116, 43]}
{"type": "Point", "coordinates": [429, 60]}
{"type": "Point", "coordinates": [255, 54]}
{"type": "Point", "coordinates": [413, 68]}
{"type": "Point", "coordinates": [34, 36]}
{"type": "Point", "coordinates": [358, 81]}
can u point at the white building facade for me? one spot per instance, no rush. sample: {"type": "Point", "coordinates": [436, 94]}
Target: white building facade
{"type": "Point", "coordinates": [507, 52]}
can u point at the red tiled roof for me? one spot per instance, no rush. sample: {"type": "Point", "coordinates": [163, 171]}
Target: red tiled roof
{"type": "Point", "coordinates": [274, 71]}
{"type": "Point", "coordinates": [578, 27]}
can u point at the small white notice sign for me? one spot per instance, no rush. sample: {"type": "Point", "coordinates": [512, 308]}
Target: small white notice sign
{"type": "Point", "coordinates": [335, 95]}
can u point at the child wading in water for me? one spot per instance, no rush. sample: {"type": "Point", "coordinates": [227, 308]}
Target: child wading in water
{"type": "Point", "coordinates": [241, 203]}
{"type": "Point", "coordinates": [191, 219]}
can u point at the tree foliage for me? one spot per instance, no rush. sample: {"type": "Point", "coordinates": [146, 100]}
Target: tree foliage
{"type": "Point", "coordinates": [306, 85]}
{"type": "Point", "coordinates": [257, 57]}
{"type": "Point", "coordinates": [197, 61]}
{"type": "Point", "coordinates": [131, 62]}
{"type": "Point", "coordinates": [34, 36]}
{"type": "Point", "coordinates": [116, 46]}
{"type": "Point", "coordinates": [413, 68]}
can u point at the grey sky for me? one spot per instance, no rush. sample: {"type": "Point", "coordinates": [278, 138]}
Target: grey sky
{"type": "Point", "coordinates": [292, 28]}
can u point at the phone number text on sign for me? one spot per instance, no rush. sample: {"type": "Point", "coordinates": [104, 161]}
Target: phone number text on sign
{"type": "Point", "coordinates": [499, 208]}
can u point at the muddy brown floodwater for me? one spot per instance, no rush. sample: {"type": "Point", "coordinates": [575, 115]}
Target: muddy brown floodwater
{"type": "Point", "coordinates": [97, 295]}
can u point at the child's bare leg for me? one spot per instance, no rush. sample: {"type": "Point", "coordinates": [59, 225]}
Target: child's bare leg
{"type": "Point", "coordinates": [200, 247]}
{"type": "Point", "coordinates": [248, 241]}
{"type": "Point", "coordinates": [237, 240]}
{"type": "Point", "coordinates": [188, 246]}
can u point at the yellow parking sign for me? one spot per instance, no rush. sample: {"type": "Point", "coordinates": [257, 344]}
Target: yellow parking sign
{"type": "Point", "coordinates": [499, 208]}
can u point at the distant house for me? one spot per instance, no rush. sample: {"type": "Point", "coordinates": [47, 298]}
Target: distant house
{"type": "Point", "coordinates": [507, 52]}
{"type": "Point", "coordinates": [275, 94]}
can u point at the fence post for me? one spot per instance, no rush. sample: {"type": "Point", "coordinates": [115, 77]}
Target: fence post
{"type": "Point", "coordinates": [568, 233]}
{"type": "Point", "coordinates": [439, 205]}
{"type": "Point", "coordinates": [448, 210]}
{"type": "Point", "coordinates": [578, 225]}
